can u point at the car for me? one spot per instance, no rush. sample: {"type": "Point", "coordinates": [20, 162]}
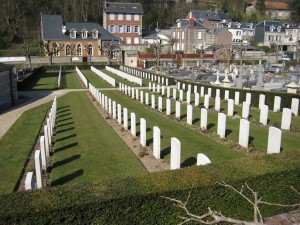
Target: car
{"type": "Point", "coordinates": [285, 58]}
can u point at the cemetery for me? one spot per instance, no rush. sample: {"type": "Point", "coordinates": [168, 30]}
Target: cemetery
{"type": "Point", "coordinates": [108, 152]}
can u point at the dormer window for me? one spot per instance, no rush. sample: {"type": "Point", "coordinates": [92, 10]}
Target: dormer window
{"type": "Point", "coordinates": [272, 28]}
{"type": "Point", "coordinates": [279, 29]}
{"type": "Point", "coordinates": [73, 33]}
{"type": "Point", "coordinates": [84, 34]}
{"type": "Point", "coordinates": [95, 34]}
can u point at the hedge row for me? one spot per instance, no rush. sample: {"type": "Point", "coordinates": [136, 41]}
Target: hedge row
{"type": "Point", "coordinates": [286, 98]}
{"type": "Point", "coordinates": [22, 84]}
{"type": "Point", "coordinates": [138, 200]}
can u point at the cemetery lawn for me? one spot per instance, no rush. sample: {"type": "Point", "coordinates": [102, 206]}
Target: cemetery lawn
{"type": "Point", "coordinates": [192, 142]}
{"type": "Point", "coordinates": [69, 80]}
{"type": "Point", "coordinates": [17, 144]}
{"type": "Point", "coordinates": [94, 79]}
{"type": "Point", "coordinates": [86, 147]}
{"type": "Point", "coordinates": [43, 81]}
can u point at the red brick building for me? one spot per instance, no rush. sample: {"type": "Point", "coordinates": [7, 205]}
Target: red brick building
{"type": "Point", "coordinates": [124, 20]}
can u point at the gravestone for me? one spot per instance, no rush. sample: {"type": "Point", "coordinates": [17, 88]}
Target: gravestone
{"type": "Point", "coordinates": [158, 88]}
{"type": "Point", "coordinates": [295, 106]}
{"type": "Point", "coordinates": [181, 95]}
{"type": "Point", "coordinates": [168, 92]}
{"type": "Point", "coordinates": [190, 88]}
{"type": "Point", "coordinates": [174, 93]}
{"type": "Point", "coordinates": [262, 98]}
{"type": "Point", "coordinates": [178, 85]}
{"type": "Point", "coordinates": [230, 109]}
{"type": "Point", "coordinates": [175, 154]}
{"type": "Point", "coordinates": [236, 98]}
{"type": "Point", "coordinates": [189, 118]}
{"type": "Point", "coordinates": [153, 87]}
{"type": "Point", "coordinates": [244, 133]}
{"type": "Point", "coordinates": [197, 96]}
{"type": "Point", "coordinates": [195, 89]}
{"type": "Point", "coordinates": [177, 110]}
{"type": "Point", "coordinates": [125, 118]}
{"type": "Point", "coordinates": [142, 97]}
{"type": "Point", "coordinates": [119, 114]}
{"type": "Point", "coordinates": [206, 101]}
{"type": "Point", "coordinates": [202, 159]}
{"type": "Point", "coordinates": [168, 107]}
{"type": "Point", "coordinates": [38, 168]}
{"type": "Point", "coordinates": [274, 140]}
{"type": "Point", "coordinates": [209, 92]}
{"type": "Point", "coordinates": [221, 125]}
{"type": "Point", "coordinates": [29, 181]}
{"type": "Point", "coordinates": [263, 117]}
{"type": "Point", "coordinates": [114, 109]}
{"type": "Point", "coordinates": [246, 109]}
{"type": "Point", "coordinates": [132, 124]}
{"type": "Point", "coordinates": [203, 121]}
{"type": "Point", "coordinates": [132, 93]}
{"type": "Point", "coordinates": [150, 86]}
{"type": "Point", "coordinates": [147, 98]}
{"type": "Point", "coordinates": [47, 144]}
{"type": "Point", "coordinates": [217, 104]}
{"type": "Point", "coordinates": [137, 94]}
{"type": "Point", "coordinates": [202, 92]}
{"type": "Point", "coordinates": [248, 98]}
{"type": "Point", "coordinates": [217, 93]}
{"type": "Point", "coordinates": [226, 95]}
{"type": "Point", "coordinates": [153, 101]}
{"type": "Point", "coordinates": [156, 142]}
{"type": "Point", "coordinates": [143, 131]}
{"type": "Point", "coordinates": [277, 101]}
{"type": "Point", "coordinates": [160, 105]}
{"type": "Point", "coordinates": [163, 90]}
{"type": "Point", "coordinates": [43, 153]}
{"type": "Point", "coordinates": [183, 86]}
{"type": "Point", "coordinates": [286, 119]}
{"type": "Point", "coordinates": [109, 107]}
{"type": "Point", "coordinates": [188, 97]}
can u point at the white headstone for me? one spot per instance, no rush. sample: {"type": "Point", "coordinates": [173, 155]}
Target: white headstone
{"type": "Point", "coordinates": [47, 145]}
{"type": "Point", "coordinates": [221, 125]}
{"type": "Point", "coordinates": [189, 118]}
{"type": "Point", "coordinates": [29, 181]}
{"type": "Point", "coordinates": [178, 85]}
{"type": "Point", "coordinates": [226, 95]}
{"type": "Point", "coordinates": [197, 96]}
{"type": "Point", "coordinates": [168, 92]}
{"type": "Point", "coordinates": [181, 95]}
{"type": "Point", "coordinates": [137, 94]}
{"type": "Point", "coordinates": [158, 88]}
{"type": "Point", "coordinates": [132, 124]}
{"type": "Point", "coordinates": [160, 104]}
{"type": "Point", "coordinates": [248, 98]}
{"type": "Point", "coordinates": [43, 153]}
{"type": "Point", "coordinates": [175, 153]}
{"type": "Point", "coordinates": [236, 98]}
{"type": "Point", "coordinates": [202, 159]}
{"type": "Point", "coordinates": [203, 121]}
{"type": "Point", "coordinates": [188, 97]}
{"type": "Point", "coordinates": [156, 142]}
{"type": "Point", "coordinates": [177, 110]}
{"type": "Point", "coordinates": [153, 101]}
{"type": "Point", "coordinates": [202, 92]}
{"type": "Point", "coordinates": [277, 102]}
{"type": "Point", "coordinates": [190, 88]}
{"type": "Point", "coordinates": [206, 101]}
{"type": "Point", "coordinates": [274, 140]}
{"type": "Point", "coordinates": [163, 90]}
{"type": "Point", "coordinates": [263, 117]}
{"type": "Point", "coordinates": [119, 114]}
{"type": "Point", "coordinates": [183, 86]}
{"type": "Point", "coordinates": [168, 107]}
{"type": "Point", "coordinates": [133, 93]}
{"type": "Point", "coordinates": [286, 119]}
{"type": "Point", "coordinates": [147, 98]}
{"type": "Point", "coordinates": [143, 128]}
{"type": "Point", "coordinates": [195, 89]}
{"type": "Point", "coordinates": [153, 87]}
{"type": "Point", "coordinates": [217, 103]}
{"type": "Point", "coordinates": [246, 109]}
{"type": "Point", "coordinates": [174, 93]}
{"type": "Point", "coordinates": [244, 133]}
{"type": "Point", "coordinates": [295, 106]}
{"type": "Point", "coordinates": [230, 109]}
{"type": "Point", "coordinates": [262, 98]}
{"type": "Point", "coordinates": [150, 86]}
{"type": "Point", "coordinates": [125, 118]}
{"type": "Point", "coordinates": [38, 168]}
{"type": "Point", "coordinates": [209, 92]}
{"type": "Point", "coordinates": [218, 93]}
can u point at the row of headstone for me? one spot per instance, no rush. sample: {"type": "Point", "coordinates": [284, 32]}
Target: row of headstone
{"type": "Point", "coordinates": [146, 75]}
{"type": "Point", "coordinates": [41, 156]}
{"type": "Point", "coordinates": [59, 78]}
{"type": "Point", "coordinates": [126, 76]}
{"type": "Point", "coordinates": [104, 76]}
{"type": "Point", "coordinates": [82, 77]}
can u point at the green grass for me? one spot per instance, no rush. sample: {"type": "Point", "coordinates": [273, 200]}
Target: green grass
{"type": "Point", "coordinates": [16, 145]}
{"type": "Point", "coordinates": [87, 148]}
{"type": "Point", "coordinates": [192, 142]}
{"type": "Point", "coordinates": [43, 81]}
{"type": "Point", "coordinates": [69, 80]}
{"type": "Point", "coordinates": [95, 80]}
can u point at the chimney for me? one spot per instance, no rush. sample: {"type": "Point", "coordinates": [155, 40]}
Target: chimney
{"type": "Point", "coordinates": [191, 22]}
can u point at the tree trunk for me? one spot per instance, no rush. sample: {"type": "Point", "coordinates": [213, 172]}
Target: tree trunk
{"type": "Point", "coordinates": [30, 64]}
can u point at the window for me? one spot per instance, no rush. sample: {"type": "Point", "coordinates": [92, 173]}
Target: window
{"type": "Point", "coordinates": [121, 29]}
{"type": "Point", "coordinates": [238, 33]}
{"type": "Point", "coordinates": [182, 46]}
{"type": "Point", "coordinates": [128, 40]}
{"type": "Point", "coordinates": [199, 35]}
{"type": "Point", "coordinates": [136, 29]}
{"type": "Point", "coordinates": [112, 16]}
{"type": "Point", "coordinates": [128, 29]}
{"type": "Point", "coordinates": [112, 29]}
{"type": "Point", "coordinates": [73, 34]}
{"type": "Point", "coordinates": [120, 16]}
{"type": "Point", "coordinates": [128, 16]}
{"type": "Point", "coordinates": [84, 34]}
{"type": "Point", "coordinates": [271, 38]}
{"type": "Point", "coordinates": [177, 47]}
{"type": "Point", "coordinates": [90, 49]}
{"type": "Point", "coordinates": [113, 55]}
{"type": "Point", "coordinates": [136, 40]}
{"type": "Point", "coordinates": [272, 28]}
{"type": "Point", "coordinates": [182, 35]}
{"type": "Point", "coordinates": [95, 34]}
{"type": "Point", "coordinates": [279, 29]}
{"type": "Point", "coordinates": [55, 50]}
{"type": "Point", "coordinates": [178, 35]}
{"type": "Point", "coordinates": [174, 34]}
{"type": "Point", "coordinates": [68, 50]}
{"type": "Point", "coordinates": [79, 49]}
{"type": "Point", "coordinates": [136, 17]}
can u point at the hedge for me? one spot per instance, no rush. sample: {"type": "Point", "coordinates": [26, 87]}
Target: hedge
{"type": "Point", "coordinates": [286, 98]}
{"type": "Point", "coordinates": [21, 84]}
{"type": "Point", "coordinates": [137, 200]}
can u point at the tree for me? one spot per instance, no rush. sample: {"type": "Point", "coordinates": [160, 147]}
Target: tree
{"type": "Point", "coordinates": [294, 6]}
{"type": "Point", "coordinates": [27, 53]}
{"type": "Point", "coordinates": [214, 217]}
{"type": "Point", "coordinates": [109, 48]}
{"type": "Point", "coordinates": [260, 6]}
{"type": "Point", "coordinates": [51, 48]}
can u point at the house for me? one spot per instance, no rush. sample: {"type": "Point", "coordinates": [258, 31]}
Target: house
{"type": "Point", "coordinates": [124, 20]}
{"type": "Point", "coordinates": [276, 10]}
{"type": "Point", "coordinates": [290, 43]}
{"type": "Point", "coordinates": [241, 32]}
{"type": "Point", "coordinates": [214, 18]}
{"type": "Point", "coordinates": [269, 33]}
{"type": "Point", "coordinates": [74, 39]}
{"type": "Point", "coordinates": [8, 86]}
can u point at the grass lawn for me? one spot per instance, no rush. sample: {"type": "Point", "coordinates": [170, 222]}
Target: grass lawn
{"type": "Point", "coordinates": [95, 80]}
{"type": "Point", "coordinates": [69, 80]}
{"type": "Point", "coordinates": [192, 142]}
{"type": "Point", "coordinates": [87, 148]}
{"type": "Point", "coordinates": [16, 145]}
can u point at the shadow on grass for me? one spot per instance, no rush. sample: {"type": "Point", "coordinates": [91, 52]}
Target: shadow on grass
{"type": "Point", "coordinates": [62, 111]}
{"type": "Point", "coordinates": [227, 132]}
{"type": "Point", "coordinates": [165, 152]}
{"type": "Point", "coordinates": [60, 116]}
{"type": "Point", "coordinates": [195, 120]}
{"type": "Point", "coordinates": [210, 125]}
{"type": "Point", "coordinates": [183, 116]}
{"type": "Point", "coordinates": [189, 162]}
{"type": "Point", "coordinates": [64, 130]}
{"type": "Point", "coordinates": [67, 178]}
{"type": "Point", "coordinates": [62, 107]}
{"type": "Point", "coordinates": [69, 118]}
{"type": "Point", "coordinates": [65, 161]}
{"type": "Point", "coordinates": [65, 138]}
{"type": "Point", "coordinates": [65, 147]}
{"type": "Point", "coordinates": [64, 124]}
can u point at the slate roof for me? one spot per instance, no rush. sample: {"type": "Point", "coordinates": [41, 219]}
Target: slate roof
{"type": "Point", "coordinates": [186, 24]}
{"type": "Point", "coordinates": [121, 7]}
{"type": "Point", "coordinates": [52, 29]}
{"type": "Point", "coordinates": [237, 25]}
{"type": "Point", "coordinates": [209, 15]}
{"type": "Point", "coordinates": [275, 24]}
